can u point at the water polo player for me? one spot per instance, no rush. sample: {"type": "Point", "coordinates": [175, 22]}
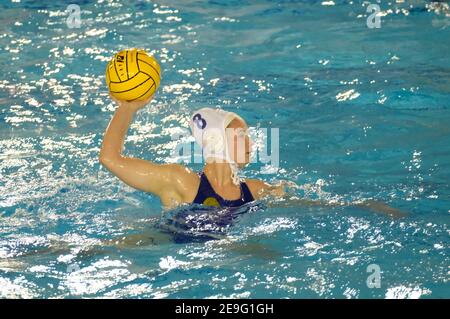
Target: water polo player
{"type": "Point", "coordinates": [226, 146]}
{"type": "Point", "coordinates": [134, 76]}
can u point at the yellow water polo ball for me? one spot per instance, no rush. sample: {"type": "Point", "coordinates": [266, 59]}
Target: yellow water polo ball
{"type": "Point", "coordinates": [133, 75]}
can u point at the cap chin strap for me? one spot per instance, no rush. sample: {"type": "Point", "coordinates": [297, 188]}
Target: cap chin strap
{"type": "Point", "coordinates": [235, 174]}
{"type": "Point", "coordinates": [233, 166]}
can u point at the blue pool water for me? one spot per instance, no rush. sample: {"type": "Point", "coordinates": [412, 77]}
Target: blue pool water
{"type": "Point", "coordinates": [363, 113]}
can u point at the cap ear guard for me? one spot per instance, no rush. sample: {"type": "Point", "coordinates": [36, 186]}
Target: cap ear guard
{"type": "Point", "coordinates": [213, 141]}
{"type": "Point", "coordinates": [208, 128]}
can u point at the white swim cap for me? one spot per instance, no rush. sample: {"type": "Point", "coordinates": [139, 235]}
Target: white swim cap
{"type": "Point", "coordinates": [208, 128]}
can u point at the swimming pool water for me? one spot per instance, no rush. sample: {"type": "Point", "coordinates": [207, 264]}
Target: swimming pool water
{"type": "Point", "coordinates": [362, 113]}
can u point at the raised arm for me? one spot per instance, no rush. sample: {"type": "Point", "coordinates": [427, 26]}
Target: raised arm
{"type": "Point", "coordinates": [170, 182]}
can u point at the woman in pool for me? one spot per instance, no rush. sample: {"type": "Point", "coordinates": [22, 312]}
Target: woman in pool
{"type": "Point", "coordinates": [226, 148]}
{"type": "Point", "coordinates": [175, 184]}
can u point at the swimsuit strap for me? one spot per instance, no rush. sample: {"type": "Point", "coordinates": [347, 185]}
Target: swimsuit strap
{"type": "Point", "coordinates": [207, 195]}
{"type": "Point", "coordinates": [248, 197]}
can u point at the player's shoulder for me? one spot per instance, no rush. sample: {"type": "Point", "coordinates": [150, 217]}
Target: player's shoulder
{"type": "Point", "coordinates": [184, 181]}
{"type": "Point", "coordinates": [182, 173]}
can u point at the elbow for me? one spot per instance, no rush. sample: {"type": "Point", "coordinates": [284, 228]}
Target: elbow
{"type": "Point", "coordinates": [104, 159]}
{"type": "Point", "coordinates": [108, 160]}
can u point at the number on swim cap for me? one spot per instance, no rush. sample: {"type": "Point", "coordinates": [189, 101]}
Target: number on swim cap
{"type": "Point", "coordinates": [199, 121]}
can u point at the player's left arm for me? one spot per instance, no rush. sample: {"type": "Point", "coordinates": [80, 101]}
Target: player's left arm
{"type": "Point", "coordinates": [261, 189]}
{"type": "Point", "coordinates": [279, 193]}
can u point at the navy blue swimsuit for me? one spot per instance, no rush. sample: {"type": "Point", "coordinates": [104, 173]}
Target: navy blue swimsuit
{"type": "Point", "coordinates": [209, 217]}
{"type": "Point", "coordinates": [207, 196]}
